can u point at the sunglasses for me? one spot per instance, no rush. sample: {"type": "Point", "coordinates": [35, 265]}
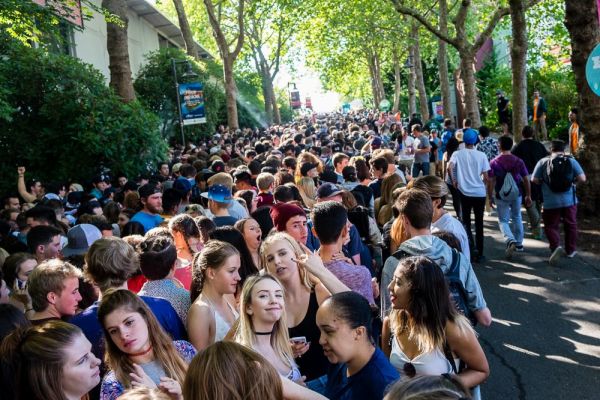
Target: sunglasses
{"type": "Point", "coordinates": [409, 370]}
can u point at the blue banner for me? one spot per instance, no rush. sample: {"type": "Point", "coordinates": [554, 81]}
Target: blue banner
{"type": "Point", "coordinates": [191, 99]}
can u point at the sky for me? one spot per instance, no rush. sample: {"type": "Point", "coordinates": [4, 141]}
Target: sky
{"type": "Point", "coordinates": [309, 85]}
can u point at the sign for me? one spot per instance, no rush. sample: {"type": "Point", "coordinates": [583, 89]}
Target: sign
{"type": "Point", "coordinates": [384, 105]}
{"type": "Point", "coordinates": [70, 10]}
{"type": "Point", "coordinates": [592, 70]}
{"type": "Point", "coordinates": [308, 103]}
{"type": "Point", "coordinates": [191, 99]}
{"type": "Point", "coordinates": [345, 108]}
{"type": "Point", "coordinates": [295, 102]}
{"type": "Point", "coordinates": [438, 108]}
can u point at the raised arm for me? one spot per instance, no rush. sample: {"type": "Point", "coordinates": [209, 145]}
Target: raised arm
{"type": "Point", "coordinates": [313, 264]}
{"type": "Point", "coordinates": [22, 188]}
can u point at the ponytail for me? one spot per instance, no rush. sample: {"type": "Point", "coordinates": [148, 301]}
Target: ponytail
{"type": "Point", "coordinates": [213, 255]}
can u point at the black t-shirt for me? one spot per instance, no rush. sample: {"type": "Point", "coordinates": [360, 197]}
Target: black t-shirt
{"type": "Point", "coordinates": [530, 151]}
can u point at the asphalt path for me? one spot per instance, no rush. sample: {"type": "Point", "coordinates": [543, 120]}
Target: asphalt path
{"type": "Point", "coordinates": [544, 342]}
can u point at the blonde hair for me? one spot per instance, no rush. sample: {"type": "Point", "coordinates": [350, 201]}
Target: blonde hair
{"type": "Point", "coordinates": [230, 371]}
{"type": "Point", "coordinates": [162, 345]}
{"type": "Point", "coordinates": [47, 277]}
{"type": "Point", "coordinates": [144, 393]}
{"type": "Point", "coordinates": [308, 191]}
{"type": "Point", "coordinates": [264, 180]}
{"type": "Point", "coordinates": [304, 276]}
{"type": "Point", "coordinates": [280, 340]}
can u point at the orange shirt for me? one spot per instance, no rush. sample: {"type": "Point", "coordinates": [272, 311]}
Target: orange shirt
{"type": "Point", "coordinates": [535, 107]}
{"type": "Point", "coordinates": [574, 137]}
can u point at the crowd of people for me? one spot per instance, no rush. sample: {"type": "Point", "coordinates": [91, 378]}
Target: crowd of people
{"type": "Point", "coordinates": [314, 260]}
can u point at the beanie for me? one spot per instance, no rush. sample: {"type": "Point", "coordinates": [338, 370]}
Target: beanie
{"type": "Point", "coordinates": [282, 212]}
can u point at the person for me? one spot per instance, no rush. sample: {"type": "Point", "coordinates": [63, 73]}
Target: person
{"type": "Point", "coordinates": [379, 168]}
{"type": "Point", "coordinates": [415, 209]}
{"type": "Point", "coordinates": [488, 146]}
{"type": "Point", "coordinates": [560, 202]}
{"type": "Point", "coordinates": [425, 334]}
{"type": "Point", "coordinates": [359, 369]}
{"type": "Point", "coordinates": [48, 361]}
{"type": "Point", "coordinates": [307, 283]}
{"type": "Point", "coordinates": [332, 229]}
{"type": "Point", "coordinates": [44, 242]}
{"type": "Point", "coordinates": [17, 268]}
{"type": "Point", "coordinates": [215, 279]}
{"type": "Point", "coordinates": [573, 131]}
{"type": "Point", "coordinates": [291, 219]}
{"type": "Point", "coordinates": [234, 237]}
{"type": "Point", "coordinates": [421, 151]}
{"type": "Point", "coordinates": [509, 204]}
{"type": "Point", "coordinates": [531, 151]}
{"type": "Point", "coordinates": [503, 113]}
{"type": "Point", "coordinates": [219, 197]}
{"type": "Point", "coordinates": [262, 326]}
{"type": "Point", "coordinates": [31, 191]}
{"type": "Point", "coordinates": [158, 262]}
{"type": "Point", "coordinates": [437, 189]}
{"type": "Point", "coordinates": [108, 264]}
{"type": "Point", "coordinates": [138, 351]}
{"type": "Point", "coordinates": [144, 393]}
{"type": "Point", "coordinates": [340, 160]}
{"type": "Point", "coordinates": [428, 387]}
{"type": "Point", "coordinates": [54, 289]}
{"type": "Point", "coordinates": [468, 171]}
{"type": "Point", "coordinates": [265, 182]}
{"type": "Point", "coordinates": [228, 370]}
{"type": "Point", "coordinates": [539, 116]}
{"type": "Point", "coordinates": [151, 199]}
{"type": "Point", "coordinates": [11, 318]}
{"type": "Point", "coordinates": [188, 242]}
{"type": "Point", "coordinates": [252, 233]}
{"type": "Point", "coordinates": [451, 147]}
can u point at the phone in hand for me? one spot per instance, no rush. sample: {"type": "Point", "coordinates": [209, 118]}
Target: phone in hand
{"type": "Point", "coordinates": [298, 340]}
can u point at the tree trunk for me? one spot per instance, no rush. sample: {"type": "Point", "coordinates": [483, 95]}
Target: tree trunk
{"type": "Point", "coordinates": [442, 59]}
{"type": "Point", "coordinates": [374, 84]}
{"type": "Point", "coordinates": [230, 95]}
{"type": "Point", "coordinates": [118, 53]}
{"type": "Point", "coordinates": [378, 79]}
{"type": "Point", "coordinates": [276, 114]}
{"type": "Point", "coordinates": [467, 73]}
{"type": "Point", "coordinates": [424, 107]}
{"type": "Point", "coordinates": [397, 79]}
{"type": "Point", "coordinates": [186, 32]}
{"type": "Point", "coordinates": [582, 22]}
{"type": "Point", "coordinates": [412, 98]}
{"type": "Point", "coordinates": [518, 54]}
{"type": "Point", "coordinates": [267, 96]}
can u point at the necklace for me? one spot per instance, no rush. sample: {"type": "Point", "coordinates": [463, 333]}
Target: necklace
{"type": "Point", "coordinates": [263, 333]}
{"type": "Point", "coordinates": [141, 353]}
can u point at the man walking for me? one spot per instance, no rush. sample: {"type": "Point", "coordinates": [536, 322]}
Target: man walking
{"type": "Point", "coordinates": [503, 114]}
{"type": "Point", "coordinates": [422, 149]}
{"type": "Point", "coordinates": [468, 170]}
{"type": "Point", "coordinates": [510, 179]}
{"type": "Point", "coordinates": [558, 175]}
{"type": "Point", "coordinates": [539, 116]}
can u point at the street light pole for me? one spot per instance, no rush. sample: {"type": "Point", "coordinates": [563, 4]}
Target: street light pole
{"type": "Point", "coordinates": [174, 64]}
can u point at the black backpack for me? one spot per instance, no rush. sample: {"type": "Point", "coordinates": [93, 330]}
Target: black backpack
{"type": "Point", "coordinates": [559, 172]}
{"type": "Point", "coordinates": [458, 293]}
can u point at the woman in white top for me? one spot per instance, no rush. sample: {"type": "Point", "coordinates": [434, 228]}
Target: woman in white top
{"type": "Point", "coordinates": [215, 278]}
{"type": "Point", "coordinates": [424, 330]}
{"type": "Point", "coordinates": [263, 324]}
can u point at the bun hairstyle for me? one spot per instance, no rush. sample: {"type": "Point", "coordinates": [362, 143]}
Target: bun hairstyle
{"type": "Point", "coordinates": [33, 358]}
{"type": "Point", "coordinates": [354, 309]}
{"type": "Point", "coordinates": [213, 255]}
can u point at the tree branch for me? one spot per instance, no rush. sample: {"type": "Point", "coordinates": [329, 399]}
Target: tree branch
{"type": "Point", "coordinates": [411, 12]}
{"type": "Point", "coordinates": [491, 25]}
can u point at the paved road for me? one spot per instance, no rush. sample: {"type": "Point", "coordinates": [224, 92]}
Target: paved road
{"type": "Point", "coordinates": [544, 342]}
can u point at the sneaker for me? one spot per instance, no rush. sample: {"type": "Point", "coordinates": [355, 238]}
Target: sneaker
{"type": "Point", "coordinates": [510, 249]}
{"type": "Point", "coordinates": [519, 248]}
{"type": "Point", "coordinates": [556, 255]}
{"type": "Point", "coordinates": [573, 254]}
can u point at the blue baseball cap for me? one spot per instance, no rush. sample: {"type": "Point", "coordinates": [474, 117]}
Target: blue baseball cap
{"type": "Point", "coordinates": [218, 193]}
{"type": "Point", "coordinates": [470, 136]}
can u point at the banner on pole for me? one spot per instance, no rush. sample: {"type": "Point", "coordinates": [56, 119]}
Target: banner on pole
{"type": "Point", "coordinates": [191, 98]}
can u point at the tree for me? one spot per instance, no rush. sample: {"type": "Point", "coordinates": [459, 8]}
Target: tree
{"type": "Point", "coordinates": [186, 32]}
{"type": "Point", "coordinates": [442, 59]}
{"type": "Point", "coordinates": [118, 52]}
{"type": "Point", "coordinates": [584, 30]}
{"type": "Point", "coordinates": [420, 83]}
{"type": "Point", "coordinates": [228, 22]}
{"type": "Point", "coordinates": [467, 49]}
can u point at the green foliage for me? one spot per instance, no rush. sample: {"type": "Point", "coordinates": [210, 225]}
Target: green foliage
{"type": "Point", "coordinates": [155, 87]}
{"type": "Point", "coordinates": [64, 121]}
{"type": "Point", "coordinates": [490, 78]}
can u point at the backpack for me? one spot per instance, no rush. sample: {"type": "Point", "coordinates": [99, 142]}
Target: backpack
{"type": "Point", "coordinates": [559, 173]}
{"type": "Point", "coordinates": [509, 191]}
{"type": "Point", "coordinates": [458, 293]}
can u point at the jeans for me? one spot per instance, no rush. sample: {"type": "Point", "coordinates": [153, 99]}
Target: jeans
{"type": "Point", "coordinates": [418, 167]}
{"type": "Point", "coordinates": [552, 219]}
{"type": "Point", "coordinates": [477, 204]}
{"type": "Point", "coordinates": [510, 210]}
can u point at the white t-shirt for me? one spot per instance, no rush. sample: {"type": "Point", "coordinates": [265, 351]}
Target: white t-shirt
{"type": "Point", "coordinates": [468, 165]}
{"type": "Point", "coordinates": [407, 142]}
{"type": "Point", "coordinates": [450, 224]}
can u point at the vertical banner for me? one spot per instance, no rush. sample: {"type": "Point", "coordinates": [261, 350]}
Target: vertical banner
{"type": "Point", "coordinates": [295, 101]}
{"type": "Point", "coordinates": [438, 108]}
{"type": "Point", "coordinates": [191, 99]}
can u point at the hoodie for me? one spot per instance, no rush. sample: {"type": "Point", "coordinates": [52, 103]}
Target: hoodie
{"type": "Point", "coordinates": [437, 250]}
